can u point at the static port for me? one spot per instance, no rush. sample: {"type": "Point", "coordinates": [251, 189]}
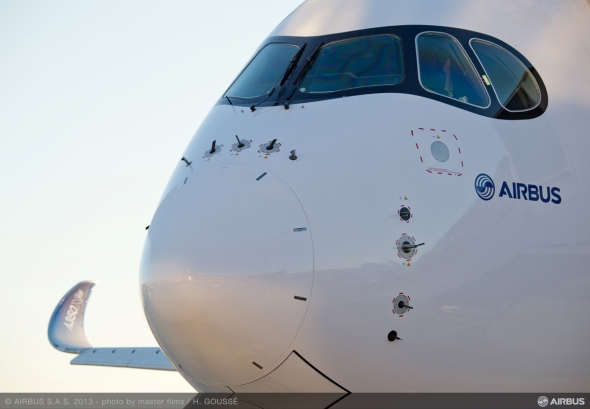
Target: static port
{"type": "Point", "coordinates": [406, 247]}
{"type": "Point", "coordinates": [405, 214]}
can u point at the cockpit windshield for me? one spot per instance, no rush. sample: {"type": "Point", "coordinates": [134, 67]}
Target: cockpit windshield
{"type": "Point", "coordinates": [355, 63]}
{"type": "Point", "coordinates": [445, 69]}
{"type": "Point", "coordinates": [514, 85]}
{"type": "Point", "coordinates": [264, 71]}
{"type": "Point", "coordinates": [465, 69]}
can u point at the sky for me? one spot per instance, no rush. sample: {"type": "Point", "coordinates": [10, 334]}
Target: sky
{"type": "Point", "coordinates": [98, 100]}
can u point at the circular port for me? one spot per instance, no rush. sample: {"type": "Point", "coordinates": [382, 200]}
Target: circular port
{"type": "Point", "coordinates": [401, 304]}
{"type": "Point", "coordinates": [404, 214]}
{"type": "Point", "coordinates": [237, 148]}
{"type": "Point", "coordinates": [440, 151]}
{"type": "Point", "coordinates": [406, 247]}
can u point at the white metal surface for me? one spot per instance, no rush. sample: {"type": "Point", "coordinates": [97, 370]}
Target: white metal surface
{"type": "Point", "coordinates": [293, 375]}
{"type": "Point", "coordinates": [499, 290]}
{"type": "Point", "coordinates": [482, 283]}
{"type": "Point", "coordinates": [256, 258]}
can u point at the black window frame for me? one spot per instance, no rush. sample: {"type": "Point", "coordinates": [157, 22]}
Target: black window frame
{"type": "Point", "coordinates": [411, 84]}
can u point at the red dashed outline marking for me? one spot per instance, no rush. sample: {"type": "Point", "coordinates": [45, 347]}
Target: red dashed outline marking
{"type": "Point", "coordinates": [209, 157]}
{"type": "Point", "coordinates": [422, 160]}
{"type": "Point", "coordinates": [393, 309]}
{"type": "Point", "coordinates": [268, 153]}
{"type": "Point", "coordinates": [231, 150]}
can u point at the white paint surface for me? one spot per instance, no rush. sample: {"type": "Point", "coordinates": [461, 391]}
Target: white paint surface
{"type": "Point", "coordinates": [98, 101]}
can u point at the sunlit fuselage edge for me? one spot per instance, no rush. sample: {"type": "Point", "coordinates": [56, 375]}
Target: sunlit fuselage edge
{"type": "Point", "coordinates": [499, 288]}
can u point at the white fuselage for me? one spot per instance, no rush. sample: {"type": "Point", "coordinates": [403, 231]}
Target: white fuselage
{"type": "Point", "coordinates": [499, 289]}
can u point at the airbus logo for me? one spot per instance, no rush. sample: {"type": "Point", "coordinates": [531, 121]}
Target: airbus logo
{"type": "Point", "coordinates": [543, 401]}
{"type": "Point", "coordinates": [485, 189]}
{"type": "Point", "coordinates": [484, 186]}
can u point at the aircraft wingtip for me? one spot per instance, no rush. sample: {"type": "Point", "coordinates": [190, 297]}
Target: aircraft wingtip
{"type": "Point", "coordinates": [66, 326]}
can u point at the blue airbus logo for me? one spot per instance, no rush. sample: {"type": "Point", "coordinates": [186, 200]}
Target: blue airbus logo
{"type": "Point", "coordinates": [484, 186]}
{"type": "Point", "coordinates": [485, 189]}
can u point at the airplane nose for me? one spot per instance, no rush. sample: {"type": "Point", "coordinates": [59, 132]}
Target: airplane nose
{"type": "Point", "coordinates": [227, 272]}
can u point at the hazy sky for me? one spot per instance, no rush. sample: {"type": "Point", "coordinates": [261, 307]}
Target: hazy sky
{"type": "Point", "coordinates": [98, 100]}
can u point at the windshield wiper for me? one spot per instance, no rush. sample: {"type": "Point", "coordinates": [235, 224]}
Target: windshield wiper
{"type": "Point", "coordinates": [268, 94]}
{"type": "Point", "coordinates": [290, 68]}
{"type": "Point", "coordinates": [306, 67]}
{"type": "Point", "coordinates": [292, 64]}
{"type": "Point", "coordinates": [253, 107]}
{"type": "Point", "coordinates": [308, 64]}
{"type": "Point", "coordinates": [234, 97]}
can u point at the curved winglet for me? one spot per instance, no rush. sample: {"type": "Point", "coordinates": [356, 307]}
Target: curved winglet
{"type": "Point", "coordinates": [66, 327]}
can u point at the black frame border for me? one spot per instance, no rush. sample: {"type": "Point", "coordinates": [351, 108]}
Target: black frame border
{"type": "Point", "coordinates": [410, 85]}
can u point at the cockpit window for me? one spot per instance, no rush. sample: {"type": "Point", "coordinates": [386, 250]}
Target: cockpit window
{"type": "Point", "coordinates": [513, 83]}
{"type": "Point", "coordinates": [263, 72]}
{"type": "Point", "coordinates": [354, 63]}
{"type": "Point", "coordinates": [445, 69]}
{"type": "Point", "coordinates": [464, 69]}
